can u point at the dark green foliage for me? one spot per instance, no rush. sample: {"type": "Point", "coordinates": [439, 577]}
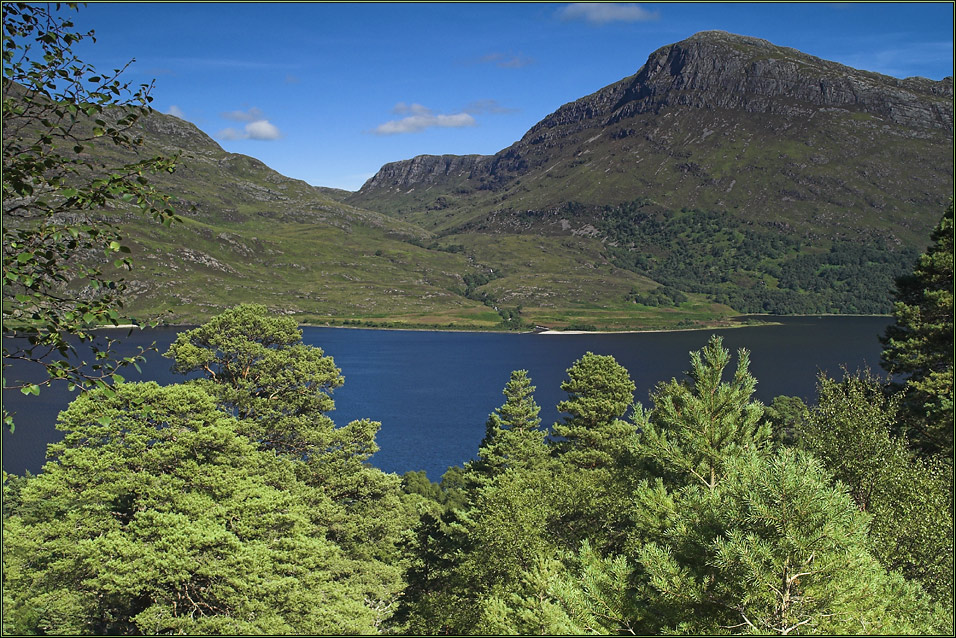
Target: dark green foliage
{"type": "Point", "coordinates": [909, 498]}
{"type": "Point", "coordinates": [785, 415]}
{"type": "Point", "coordinates": [663, 296]}
{"type": "Point", "coordinates": [477, 552]}
{"type": "Point", "coordinates": [473, 281]}
{"type": "Point", "coordinates": [920, 344]}
{"type": "Point", "coordinates": [511, 318]}
{"type": "Point", "coordinates": [55, 241]}
{"type": "Point", "coordinates": [752, 268]}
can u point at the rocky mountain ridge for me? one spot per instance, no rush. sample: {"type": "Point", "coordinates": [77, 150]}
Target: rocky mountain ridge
{"type": "Point", "coordinates": [652, 130]}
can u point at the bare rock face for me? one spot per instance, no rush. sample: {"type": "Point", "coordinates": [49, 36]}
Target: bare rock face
{"type": "Point", "coordinates": [718, 70]}
{"type": "Point", "coordinates": [424, 170]}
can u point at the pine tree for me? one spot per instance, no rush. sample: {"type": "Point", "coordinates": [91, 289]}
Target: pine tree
{"type": "Point", "coordinates": [920, 344]}
{"type": "Point", "coordinates": [775, 548]}
{"type": "Point", "coordinates": [513, 438]}
{"type": "Point", "coordinates": [696, 426]}
{"type": "Point", "coordinates": [157, 515]}
{"type": "Point", "coordinates": [600, 391]}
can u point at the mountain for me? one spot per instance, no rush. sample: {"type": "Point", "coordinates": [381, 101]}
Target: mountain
{"type": "Point", "coordinates": [754, 174]}
{"type": "Point", "coordinates": [727, 176]}
{"type": "Point", "coordinates": [247, 233]}
{"type": "Point", "coordinates": [716, 122]}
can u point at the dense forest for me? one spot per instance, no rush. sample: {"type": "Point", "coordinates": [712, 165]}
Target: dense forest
{"type": "Point", "coordinates": [754, 268]}
{"type": "Point", "coordinates": [232, 503]}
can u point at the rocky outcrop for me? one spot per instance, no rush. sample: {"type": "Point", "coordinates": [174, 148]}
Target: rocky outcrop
{"type": "Point", "coordinates": [425, 169]}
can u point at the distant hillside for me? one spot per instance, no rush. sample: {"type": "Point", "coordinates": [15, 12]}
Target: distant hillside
{"type": "Point", "coordinates": [727, 176]}
{"type": "Point", "coordinates": [250, 234]}
{"type": "Point", "coordinates": [757, 175]}
{"type": "Point", "coordinates": [715, 122]}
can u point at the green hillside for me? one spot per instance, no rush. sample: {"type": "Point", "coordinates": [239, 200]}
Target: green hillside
{"type": "Point", "coordinates": [247, 233]}
{"type": "Point", "coordinates": [678, 197]}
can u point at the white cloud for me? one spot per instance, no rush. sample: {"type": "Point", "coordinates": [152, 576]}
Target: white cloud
{"type": "Point", "coordinates": [175, 111]}
{"type": "Point", "coordinates": [605, 12]}
{"type": "Point", "coordinates": [263, 130]}
{"type": "Point", "coordinates": [418, 118]}
{"type": "Point", "coordinates": [251, 115]}
{"type": "Point", "coordinates": [258, 130]}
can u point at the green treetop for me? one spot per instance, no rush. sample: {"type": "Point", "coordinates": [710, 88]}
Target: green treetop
{"type": "Point", "coordinates": [279, 389]}
{"type": "Point", "coordinates": [257, 366]}
{"type": "Point", "coordinates": [920, 344]}
{"type": "Point", "coordinates": [156, 515]}
{"type": "Point", "coordinates": [512, 436]}
{"type": "Point", "coordinates": [909, 498]}
{"type": "Point", "coordinates": [697, 425]}
{"type": "Point", "coordinates": [600, 391]}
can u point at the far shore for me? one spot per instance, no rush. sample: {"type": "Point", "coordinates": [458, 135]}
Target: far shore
{"type": "Point", "coordinates": [727, 326]}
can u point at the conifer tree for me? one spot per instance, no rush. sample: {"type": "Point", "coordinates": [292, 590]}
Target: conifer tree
{"type": "Point", "coordinates": [512, 435]}
{"type": "Point", "coordinates": [600, 391]}
{"type": "Point", "coordinates": [590, 446]}
{"type": "Point", "coordinates": [774, 548]}
{"type": "Point", "coordinates": [157, 515]}
{"type": "Point", "coordinates": [919, 344]}
{"type": "Point", "coordinates": [697, 425]}
{"type": "Point", "coordinates": [279, 389]}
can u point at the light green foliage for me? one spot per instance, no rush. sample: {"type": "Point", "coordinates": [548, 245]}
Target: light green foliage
{"type": "Point", "coordinates": [600, 391]}
{"type": "Point", "coordinates": [909, 498]}
{"type": "Point", "coordinates": [257, 367]}
{"type": "Point", "coordinates": [920, 343]}
{"type": "Point", "coordinates": [55, 241]}
{"type": "Point", "coordinates": [597, 595]}
{"type": "Point", "coordinates": [774, 548]}
{"type": "Point", "coordinates": [512, 436]}
{"type": "Point", "coordinates": [157, 516]}
{"type": "Point", "coordinates": [533, 605]}
{"type": "Point", "coordinates": [696, 426]}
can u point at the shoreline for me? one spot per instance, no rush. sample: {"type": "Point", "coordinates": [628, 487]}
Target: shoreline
{"type": "Point", "coordinates": [731, 326]}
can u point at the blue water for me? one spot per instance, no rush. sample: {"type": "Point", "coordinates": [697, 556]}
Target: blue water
{"type": "Point", "coordinates": [433, 391]}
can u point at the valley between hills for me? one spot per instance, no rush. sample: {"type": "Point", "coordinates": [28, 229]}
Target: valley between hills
{"type": "Point", "coordinates": [728, 176]}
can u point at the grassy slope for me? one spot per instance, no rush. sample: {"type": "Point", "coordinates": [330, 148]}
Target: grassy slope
{"type": "Point", "coordinates": [249, 234]}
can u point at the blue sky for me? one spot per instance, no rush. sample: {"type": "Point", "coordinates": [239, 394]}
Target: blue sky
{"type": "Point", "coordinates": [328, 93]}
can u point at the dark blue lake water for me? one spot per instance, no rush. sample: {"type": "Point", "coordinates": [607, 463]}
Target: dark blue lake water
{"type": "Point", "coordinates": [433, 391]}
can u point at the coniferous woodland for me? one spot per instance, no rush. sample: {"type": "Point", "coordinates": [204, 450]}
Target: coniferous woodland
{"type": "Point", "coordinates": [231, 503]}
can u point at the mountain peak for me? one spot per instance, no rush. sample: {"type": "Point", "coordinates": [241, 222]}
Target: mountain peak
{"type": "Point", "coordinates": [700, 118]}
